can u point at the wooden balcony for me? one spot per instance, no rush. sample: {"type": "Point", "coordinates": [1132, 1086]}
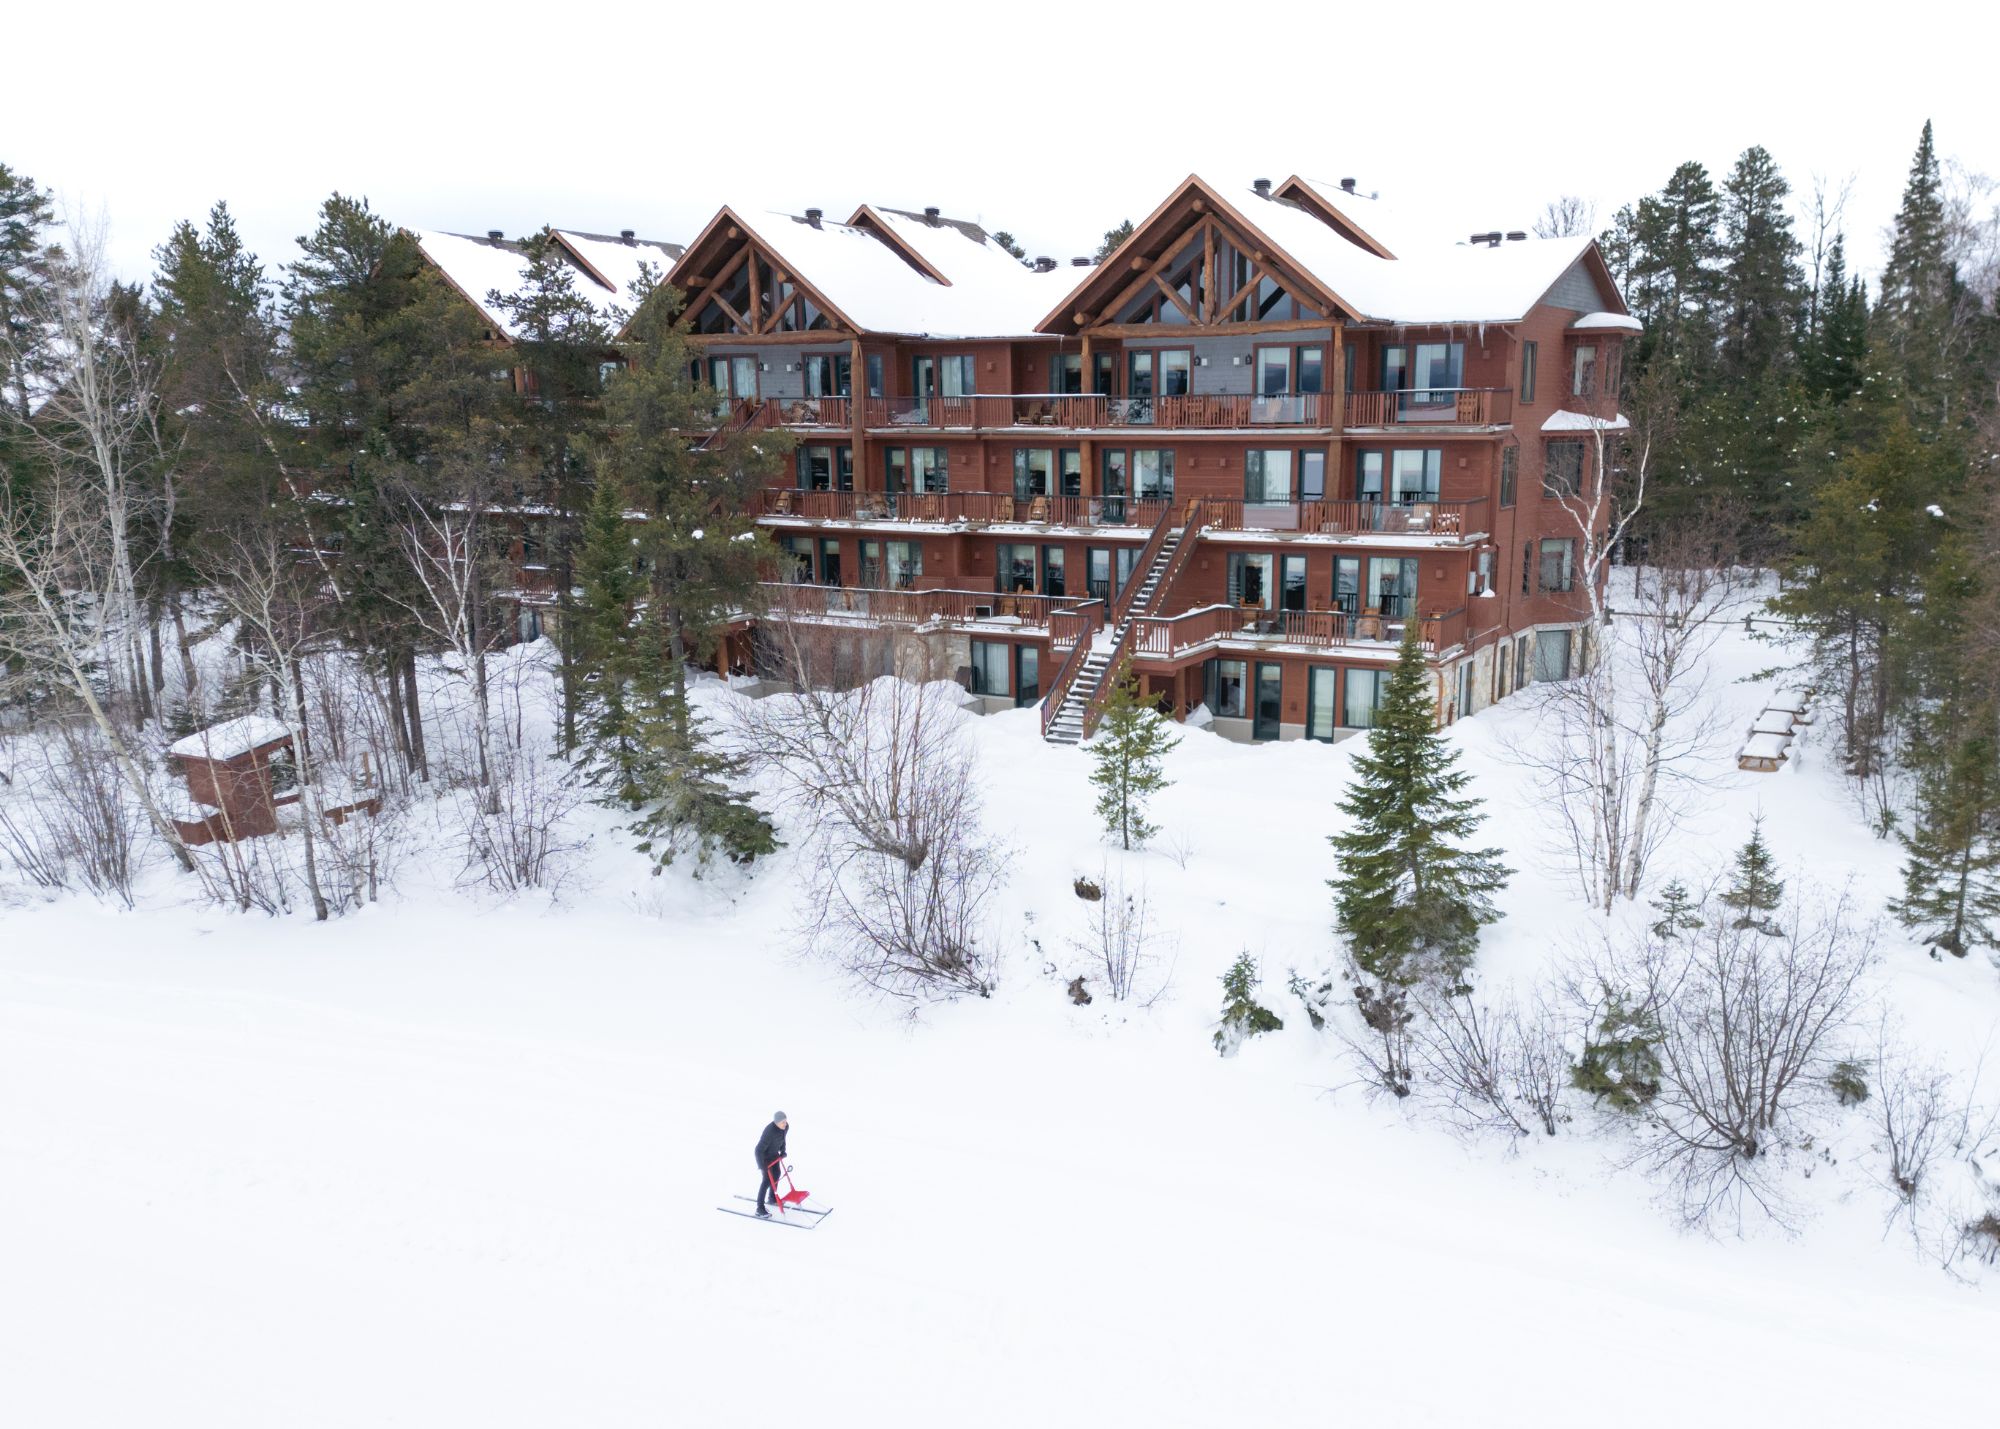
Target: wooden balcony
{"type": "Point", "coordinates": [1450, 521]}
{"type": "Point", "coordinates": [1170, 637]}
{"type": "Point", "coordinates": [961, 508]}
{"type": "Point", "coordinates": [1432, 407]}
{"type": "Point", "coordinates": [1201, 411]}
{"type": "Point", "coordinates": [878, 606]}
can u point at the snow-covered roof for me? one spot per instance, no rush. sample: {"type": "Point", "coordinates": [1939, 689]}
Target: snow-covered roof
{"type": "Point", "coordinates": [1607, 322]}
{"type": "Point", "coordinates": [231, 738]}
{"type": "Point", "coordinates": [1380, 219]}
{"type": "Point", "coordinates": [1427, 282]}
{"type": "Point", "coordinates": [1566, 421]}
{"type": "Point", "coordinates": [989, 294]}
{"type": "Point", "coordinates": [478, 267]}
{"type": "Point", "coordinates": [615, 261]}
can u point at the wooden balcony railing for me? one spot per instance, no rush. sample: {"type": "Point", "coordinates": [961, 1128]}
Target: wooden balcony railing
{"type": "Point", "coordinates": [1453, 519]}
{"type": "Point", "coordinates": [1078, 623]}
{"type": "Point", "coordinates": [951, 508]}
{"type": "Point", "coordinates": [923, 607]}
{"type": "Point", "coordinates": [1431, 406]}
{"type": "Point", "coordinates": [1165, 637]}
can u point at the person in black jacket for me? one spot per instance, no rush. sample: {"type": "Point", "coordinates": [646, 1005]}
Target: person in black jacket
{"type": "Point", "coordinates": [770, 1148]}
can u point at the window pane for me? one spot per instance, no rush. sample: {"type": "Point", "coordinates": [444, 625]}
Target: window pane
{"type": "Point", "coordinates": [1174, 369]}
{"type": "Point", "coordinates": [1274, 371]}
{"type": "Point", "coordinates": [1312, 370]}
{"type": "Point", "coordinates": [1319, 702]}
{"type": "Point", "coordinates": [1312, 476]}
{"type": "Point", "coordinates": [1267, 477]}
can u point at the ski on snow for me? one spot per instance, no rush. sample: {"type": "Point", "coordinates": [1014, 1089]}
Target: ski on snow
{"type": "Point", "coordinates": [780, 1219]}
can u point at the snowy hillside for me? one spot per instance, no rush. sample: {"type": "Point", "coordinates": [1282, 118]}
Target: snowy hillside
{"type": "Point", "coordinates": [454, 1161]}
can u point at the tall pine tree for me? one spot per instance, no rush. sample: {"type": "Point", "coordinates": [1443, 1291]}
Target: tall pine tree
{"type": "Point", "coordinates": [1408, 893]}
{"type": "Point", "coordinates": [1951, 869]}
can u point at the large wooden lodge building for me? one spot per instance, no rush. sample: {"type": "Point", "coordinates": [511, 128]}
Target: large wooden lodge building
{"type": "Point", "coordinates": [1246, 449]}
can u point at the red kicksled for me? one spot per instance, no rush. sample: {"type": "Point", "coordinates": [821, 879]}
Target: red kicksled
{"type": "Point", "coordinates": [790, 1202]}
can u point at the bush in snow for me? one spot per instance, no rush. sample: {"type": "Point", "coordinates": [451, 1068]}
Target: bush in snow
{"type": "Point", "coordinates": [1119, 939]}
{"type": "Point", "coordinates": [1313, 994]}
{"type": "Point", "coordinates": [1748, 1014]}
{"type": "Point", "coordinates": [1383, 1046]}
{"type": "Point", "coordinates": [1620, 1062]}
{"type": "Point", "coordinates": [1848, 1082]}
{"type": "Point", "coordinates": [69, 818]}
{"type": "Point", "coordinates": [1242, 1015]}
{"type": "Point", "coordinates": [1491, 1067]}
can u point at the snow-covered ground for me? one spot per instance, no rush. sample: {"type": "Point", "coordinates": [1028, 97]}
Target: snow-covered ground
{"type": "Point", "coordinates": [456, 1162]}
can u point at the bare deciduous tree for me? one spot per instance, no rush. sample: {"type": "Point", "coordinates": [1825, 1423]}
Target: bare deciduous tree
{"type": "Point", "coordinates": [1747, 1021]}
{"type": "Point", "coordinates": [1569, 216]}
{"type": "Point", "coordinates": [1120, 940]}
{"type": "Point", "coordinates": [1492, 1067]}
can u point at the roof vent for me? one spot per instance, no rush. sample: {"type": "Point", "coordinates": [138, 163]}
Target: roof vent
{"type": "Point", "coordinates": [1263, 187]}
{"type": "Point", "coordinates": [627, 235]}
{"type": "Point", "coordinates": [496, 234]}
{"type": "Point", "coordinates": [1045, 265]}
{"type": "Point", "coordinates": [931, 216]}
{"type": "Point", "coordinates": [1516, 236]}
{"type": "Point", "coordinates": [1491, 239]}
{"type": "Point", "coordinates": [814, 215]}
{"type": "Point", "coordinates": [1347, 186]}
{"type": "Point", "coordinates": [1082, 262]}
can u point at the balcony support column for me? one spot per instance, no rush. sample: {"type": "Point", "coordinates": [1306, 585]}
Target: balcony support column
{"type": "Point", "coordinates": [857, 424]}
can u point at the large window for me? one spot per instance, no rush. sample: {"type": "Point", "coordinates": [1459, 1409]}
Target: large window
{"type": "Point", "coordinates": [990, 659]}
{"type": "Point", "coordinates": [1510, 463]}
{"type": "Point", "coordinates": [1027, 675]}
{"type": "Point", "coordinates": [1069, 472]}
{"type": "Point", "coordinates": [928, 466]}
{"type": "Point", "coordinates": [1530, 359]}
{"type": "Point", "coordinates": [906, 563]}
{"type": "Point", "coordinates": [1583, 371]}
{"type": "Point", "coordinates": [1562, 469]}
{"type": "Point", "coordinates": [829, 561]}
{"type": "Point", "coordinates": [1267, 477]}
{"type": "Point", "coordinates": [733, 378]}
{"type": "Point", "coordinates": [945, 376]}
{"type": "Point", "coordinates": [1413, 475]}
{"type": "Point", "coordinates": [1347, 584]}
{"type": "Point", "coordinates": [1113, 477]}
{"type": "Point", "coordinates": [1551, 654]}
{"type": "Point", "coordinates": [1054, 570]}
{"type": "Point", "coordinates": [1097, 573]}
{"type": "Point", "coordinates": [1312, 476]}
{"type": "Point", "coordinates": [1153, 470]}
{"type": "Point", "coordinates": [1557, 558]}
{"type": "Point", "coordinates": [1014, 567]}
{"type": "Point", "coordinates": [1321, 713]}
{"type": "Point", "coordinates": [829, 374]}
{"type": "Point", "coordinates": [1176, 372]}
{"type": "Point", "coordinates": [1033, 469]}
{"type": "Point", "coordinates": [1250, 579]}
{"type": "Point", "coordinates": [1228, 695]}
{"type": "Point", "coordinates": [873, 363]}
{"type": "Point", "coordinates": [1066, 373]}
{"type": "Point", "coordinates": [1365, 692]}
{"type": "Point", "coordinates": [1292, 582]}
{"type": "Point", "coordinates": [1392, 585]}
{"type": "Point", "coordinates": [825, 468]}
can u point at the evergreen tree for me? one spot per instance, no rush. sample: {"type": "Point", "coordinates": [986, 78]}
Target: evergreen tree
{"type": "Point", "coordinates": [1620, 1062]}
{"type": "Point", "coordinates": [1679, 913]}
{"type": "Point", "coordinates": [1113, 237]}
{"type": "Point", "coordinates": [1242, 1015]}
{"type": "Point", "coordinates": [1408, 894]}
{"type": "Point", "coordinates": [704, 559]}
{"type": "Point", "coordinates": [604, 643]}
{"type": "Point", "coordinates": [1670, 258]}
{"type": "Point", "coordinates": [1131, 743]}
{"type": "Point", "coordinates": [1919, 289]}
{"type": "Point", "coordinates": [1836, 349]}
{"type": "Point", "coordinates": [1006, 240]}
{"type": "Point", "coordinates": [561, 343]}
{"type": "Point", "coordinates": [1755, 891]}
{"type": "Point", "coordinates": [26, 217]}
{"type": "Point", "coordinates": [1951, 872]}
{"type": "Point", "coordinates": [1762, 284]}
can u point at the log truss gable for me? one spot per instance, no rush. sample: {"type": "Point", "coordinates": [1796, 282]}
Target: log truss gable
{"type": "Point", "coordinates": [1196, 263]}
{"type": "Point", "coordinates": [737, 285]}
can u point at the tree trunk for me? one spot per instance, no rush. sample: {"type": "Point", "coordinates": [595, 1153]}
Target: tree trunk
{"type": "Point", "coordinates": [413, 712]}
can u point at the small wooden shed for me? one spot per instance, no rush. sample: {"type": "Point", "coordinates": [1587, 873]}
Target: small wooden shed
{"type": "Point", "coordinates": [230, 778]}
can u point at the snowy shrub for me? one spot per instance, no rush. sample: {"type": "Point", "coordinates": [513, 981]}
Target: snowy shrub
{"type": "Point", "coordinates": [1313, 995]}
{"type": "Point", "coordinates": [1382, 1047]}
{"type": "Point", "coordinates": [1849, 1082]}
{"type": "Point", "coordinates": [1747, 1018]}
{"type": "Point", "coordinates": [909, 931]}
{"type": "Point", "coordinates": [1242, 1016]}
{"type": "Point", "coordinates": [70, 820]}
{"type": "Point", "coordinates": [1982, 1238]}
{"type": "Point", "coordinates": [1119, 940]}
{"type": "Point", "coordinates": [1086, 890]}
{"type": "Point", "coordinates": [518, 834]}
{"type": "Point", "coordinates": [1620, 1062]}
{"type": "Point", "coordinates": [1497, 1068]}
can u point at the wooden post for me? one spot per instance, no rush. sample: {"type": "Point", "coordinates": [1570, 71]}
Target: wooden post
{"type": "Point", "coordinates": [857, 419]}
{"type": "Point", "coordinates": [1336, 479]}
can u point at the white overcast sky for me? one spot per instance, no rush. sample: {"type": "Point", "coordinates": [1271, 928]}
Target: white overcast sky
{"type": "Point", "coordinates": [1051, 118]}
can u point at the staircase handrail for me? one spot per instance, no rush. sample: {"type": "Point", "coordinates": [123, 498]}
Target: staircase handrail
{"type": "Point", "coordinates": [1197, 518]}
{"type": "Point", "coordinates": [1148, 553]}
{"type": "Point", "coordinates": [1065, 676]}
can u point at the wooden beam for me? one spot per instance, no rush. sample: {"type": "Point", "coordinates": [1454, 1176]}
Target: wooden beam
{"type": "Point", "coordinates": [1175, 298]}
{"type": "Point", "coordinates": [756, 317]}
{"type": "Point", "coordinates": [1247, 329]}
{"type": "Point", "coordinates": [1209, 286]}
{"type": "Point", "coordinates": [1138, 285]}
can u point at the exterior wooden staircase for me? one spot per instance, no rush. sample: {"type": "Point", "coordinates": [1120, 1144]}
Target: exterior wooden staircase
{"type": "Point", "coordinates": [1077, 695]}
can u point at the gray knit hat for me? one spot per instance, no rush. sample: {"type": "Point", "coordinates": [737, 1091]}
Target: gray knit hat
{"type": "Point", "coordinates": [779, 1116]}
